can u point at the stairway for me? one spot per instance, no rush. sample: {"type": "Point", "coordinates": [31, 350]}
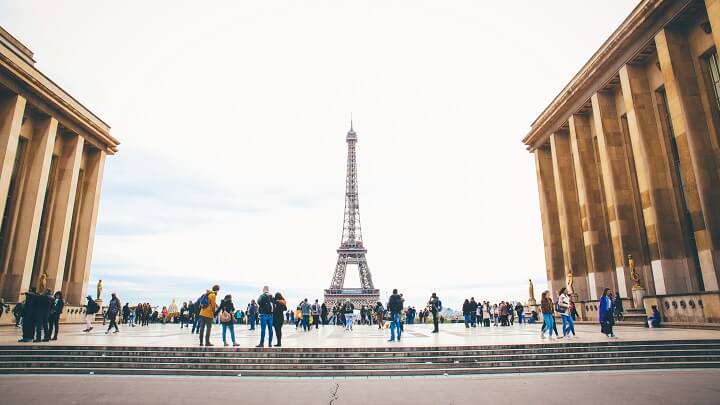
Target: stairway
{"type": "Point", "coordinates": [359, 362]}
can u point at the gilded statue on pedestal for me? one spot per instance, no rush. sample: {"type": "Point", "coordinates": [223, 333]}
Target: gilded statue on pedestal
{"type": "Point", "coordinates": [531, 290]}
{"type": "Point", "coordinates": [43, 282]}
{"type": "Point", "coordinates": [569, 280]}
{"type": "Point", "coordinates": [633, 273]}
{"type": "Point", "coordinates": [99, 289]}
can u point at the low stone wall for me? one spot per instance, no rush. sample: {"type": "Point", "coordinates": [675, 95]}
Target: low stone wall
{"type": "Point", "coordinates": [686, 308]}
{"type": "Point", "coordinates": [70, 314]}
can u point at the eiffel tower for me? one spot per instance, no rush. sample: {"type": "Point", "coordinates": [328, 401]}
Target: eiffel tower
{"type": "Point", "coordinates": [351, 251]}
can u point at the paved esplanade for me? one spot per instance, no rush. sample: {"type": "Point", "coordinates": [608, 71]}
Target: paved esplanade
{"type": "Point", "coordinates": [617, 388]}
{"type": "Point", "coordinates": [361, 336]}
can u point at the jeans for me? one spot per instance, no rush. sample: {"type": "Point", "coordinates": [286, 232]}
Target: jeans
{"type": "Point", "coordinates": [316, 321]}
{"type": "Point", "coordinates": [251, 321]}
{"type": "Point", "coordinates": [266, 321]}
{"type": "Point", "coordinates": [568, 325]}
{"type": "Point", "coordinates": [348, 321]}
{"type": "Point", "coordinates": [395, 325]}
{"type": "Point", "coordinates": [231, 327]}
{"type": "Point", "coordinates": [196, 324]}
{"type": "Point", "coordinates": [306, 322]}
{"type": "Point", "coordinates": [467, 320]}
{"type": "Point", "coordinates": [549, 324]}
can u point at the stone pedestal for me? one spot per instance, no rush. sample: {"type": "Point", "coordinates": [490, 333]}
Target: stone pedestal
{"type": "Point", "coordinates": [638, 293]}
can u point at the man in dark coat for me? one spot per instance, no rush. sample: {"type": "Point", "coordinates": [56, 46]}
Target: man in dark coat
{"type": "Point", "coordinates": [43, 305]}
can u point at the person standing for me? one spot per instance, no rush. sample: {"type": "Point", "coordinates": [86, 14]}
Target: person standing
{"type": "Point", "coordinates": [519, 309]}
{"type": "Point", "coordinates": [265, 308]}
{"type": "Point", "coordinates": [316, 314]}
{"type": "Point", "coordinates": [565, 313]}
{"type": "Point", "coordinates": [466, 312]}
{"type": "Point", "coordinates": [435, 307]}
{"type": "Point", "coordinates": [125, 313]}
{"type": "Point", "coordinates": [349, 312]}
{"type": "Point", "coordinates": [252, 311]}
{"type": "Point", "coordinates": [605, 314]}
{"type": "Point", "coordinates": [278, 311]}
{"type": "Point", "coordinates": [546, 305]}
{"type": "Point", "coordinates": [55, 313]}
{"type": "Point", "coordinates": [473, 309]}
{"type": "Point", "coordinates": [112, 313]}
{"type": "Point", "coordinates": [395, 306]}
{"type": "Point", "coordinates": [324, 314]}
{"type": "Point", "coordinates": [305, 310]}
{"type": "Point", "coordinates": [226, 310]}
{"type": "Point", "coordinates": [208, 305]}
{"type": "Point", "coordinates": [91, 308]}
{"type": "Point", "coordinates": [379, 313]}
{"type": "Point", "coordinates": [42, 313]}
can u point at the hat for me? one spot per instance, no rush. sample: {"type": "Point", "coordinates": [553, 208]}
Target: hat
{"type": "Point", "coordinates": [89, 297]}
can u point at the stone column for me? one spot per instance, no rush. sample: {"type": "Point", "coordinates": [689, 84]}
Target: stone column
{"type": "Point", "coordinates": [699, 170]}
{"type": "Point", "coordinates": [625, 232]}
{"type": "Point", "coordinates": [713, 12]}
{"type": "Point", "coordinates": [666, 241]}
{"type": "Point", "coordinates": [85, 227]}
{"type": "Point", "coordinates": [592, 212]}
{"type": "Point", "coordinates": [11, 114]}
{"type": "Point", "coordinates": [22, 250]}
{"type": "Point", "coordinates": [549, 212]}
{"type": "Point", "coordinates": [569, 213]}
{"type": "Point", "coordinates": [62, 211]}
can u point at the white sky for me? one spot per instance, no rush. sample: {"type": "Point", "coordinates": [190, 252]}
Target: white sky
{"type": "Point", "coordinates": [233, 114]}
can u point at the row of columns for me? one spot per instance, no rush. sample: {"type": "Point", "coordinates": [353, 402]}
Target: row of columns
{"type": "Point", "coordinates": [608, 189]}
{"type": "Point", "coordinates": [74, 202]}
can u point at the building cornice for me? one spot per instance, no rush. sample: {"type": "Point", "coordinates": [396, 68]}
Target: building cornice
{"type": "Point", "coordinates": [44, 88]}
{"type": "Point", "coordinates": [635, 32]}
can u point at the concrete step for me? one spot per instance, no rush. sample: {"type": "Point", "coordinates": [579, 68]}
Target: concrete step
{"type": "Point", "coordinates": [385, 361]}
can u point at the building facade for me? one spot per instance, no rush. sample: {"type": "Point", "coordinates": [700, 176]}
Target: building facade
{"type": "Point", "coordinates": [628, 159]}
{"type": "Point", "coordinates": [52, 154]}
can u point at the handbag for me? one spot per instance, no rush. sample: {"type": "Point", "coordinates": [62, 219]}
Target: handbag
{"type": "Point", "coordinates": [225, 317]}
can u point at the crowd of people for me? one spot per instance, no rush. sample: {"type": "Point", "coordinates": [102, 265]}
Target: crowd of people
{"type": "Point", "coordinates": [38, 315]}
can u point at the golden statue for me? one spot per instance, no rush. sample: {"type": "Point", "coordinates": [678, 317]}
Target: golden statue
{"type": "Point", "coordinates": [569, 280]}
{"type": "Point", "coordinates": [633, 273]}
{"type": "Point", "coordinates": [531, 290]}
{"type": "Point", "coordinates": [43, 282]}
{"type": "Point", "coordinates": [99, 289]}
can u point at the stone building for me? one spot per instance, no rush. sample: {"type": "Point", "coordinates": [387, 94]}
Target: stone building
{"type": "Point", "coordinates": [52, 153]}
{"type": "Point", "coordinates": [628, 161]}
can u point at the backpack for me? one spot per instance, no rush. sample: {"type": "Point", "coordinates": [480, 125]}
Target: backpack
{"type": "Point", "coordinates": [439, 305]}
{"type": "Point", "coordinates": [203, 301]}
{"type": "Point", "coordinates": [93, 307]}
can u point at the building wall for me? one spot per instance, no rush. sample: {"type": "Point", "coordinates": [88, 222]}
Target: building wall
{"type": "Point", "coordinates": [636, 169]}
{"type": "Point", "coordinates": [52, 156]}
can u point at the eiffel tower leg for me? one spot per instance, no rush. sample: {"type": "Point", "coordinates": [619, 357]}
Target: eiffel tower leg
{"type": "Point", "coordinates": [365, 277]}
{"type": "Point", "coordinates": [338, 280]}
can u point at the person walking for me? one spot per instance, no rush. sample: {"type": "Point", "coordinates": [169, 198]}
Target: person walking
{"type": "Point", "coordinates": [324, 314]}
{"type": "Point", "coordinates": [568, 324]}
{"type": "Point", "coordinates": [435, 306]}
{"type": "Point", "coordinates": [265, 308]}
{"type": "Point", "coordinates": [208, 306]}
{"type": "Point", "coordinates": [112, 313]}
{"type": "Point", "coordinates": [278, 311]}
{"type": "Point", "coordinates": [395, 306]}
{"type": "Point", "coordinates": [605, 314]}
{"type": "Point", "coordinates": [348, 311]}
{"type": "Point", "coordinates": [546, 305]}
{"type": "Point", "coordinates": [226, 311]}
{"type": "Point", "coordinates": [91, 308]}
{"type": "Point", "coordinates": [55, 313]}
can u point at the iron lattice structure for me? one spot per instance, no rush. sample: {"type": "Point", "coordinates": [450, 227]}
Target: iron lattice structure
{"type": "Point", "coordinates": [352, 251]}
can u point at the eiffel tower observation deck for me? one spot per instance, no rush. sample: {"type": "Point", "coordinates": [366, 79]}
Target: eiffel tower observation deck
{"type": "Point", "coordinates": [352, 250]}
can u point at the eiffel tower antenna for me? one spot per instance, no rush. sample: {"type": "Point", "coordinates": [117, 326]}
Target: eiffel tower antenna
{"type": "Point", "coordinates": [352, 250]}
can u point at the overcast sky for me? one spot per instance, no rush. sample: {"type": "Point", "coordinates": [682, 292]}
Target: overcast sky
{"type": "Point", "coordinates": [233, 114]}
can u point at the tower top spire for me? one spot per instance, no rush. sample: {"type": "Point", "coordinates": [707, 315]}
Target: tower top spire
{"type": "Point", "coordinates": [351, 135]}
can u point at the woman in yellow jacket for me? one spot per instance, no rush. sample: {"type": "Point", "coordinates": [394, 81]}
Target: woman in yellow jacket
{"type": "Point", "coordinates": [207, 314]}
